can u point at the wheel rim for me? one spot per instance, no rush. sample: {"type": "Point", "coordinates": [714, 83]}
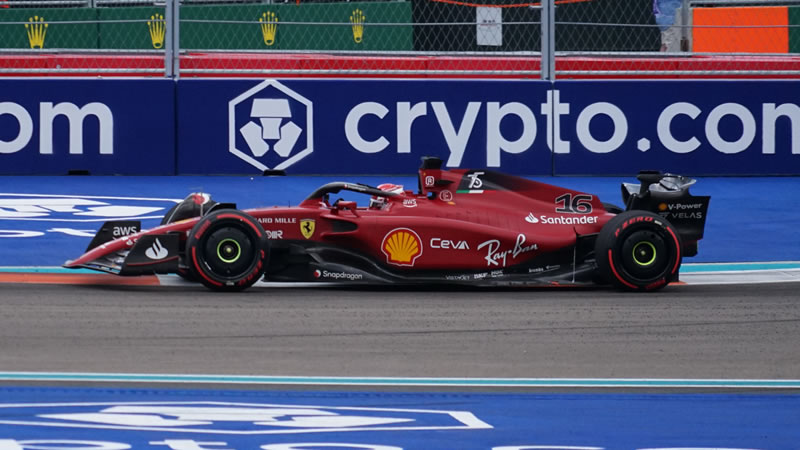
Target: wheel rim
{"type": "Point", "coordinates": [229, 252]}
{"type": "Point", "coordinates": [644, 253]}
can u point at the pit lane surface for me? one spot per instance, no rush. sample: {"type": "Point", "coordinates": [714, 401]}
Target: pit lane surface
{"type": "Point", "coordinates": [716, 332]}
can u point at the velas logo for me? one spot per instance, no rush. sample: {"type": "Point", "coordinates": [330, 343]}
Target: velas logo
{"type": "Point", "coordinates": [270, 126]}
{"type": "Point", "coordinates": [68, 208]}
{"type": "Point", "coordinates": [402, 247]}
{"type": "Point", "coordinates": [232, 418]}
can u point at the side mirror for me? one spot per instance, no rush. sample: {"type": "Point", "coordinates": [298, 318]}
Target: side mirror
{"type": "Point", "coordinates": [343, 205]}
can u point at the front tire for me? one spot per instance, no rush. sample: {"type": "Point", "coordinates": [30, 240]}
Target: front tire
{"type": "Point", "coordinates": [638, 251]}
{"type": "Point", "coordinates": [226, 250]}
{"type": "Point", "coordinates": [194, 205]}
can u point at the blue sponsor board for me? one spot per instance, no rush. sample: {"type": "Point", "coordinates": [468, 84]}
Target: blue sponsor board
{"type": "Point", "coordinates": [526, 127]}
{"type": "Point", "coordinates": [687, 127]}
{"type": "Point", "coordinates": [520, 127]}
{"type": "Point", "coordinates": [53, 126]}
{"type": "Point", "coordinates": [359, 126]}
{"type": "Point", "coordinates": [116, 419]}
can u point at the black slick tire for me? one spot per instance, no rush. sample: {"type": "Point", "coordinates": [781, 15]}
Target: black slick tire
{"type": "Point", "coordinates": [638, 251]}
{"type": "Point", "coordinates": [227, 250]}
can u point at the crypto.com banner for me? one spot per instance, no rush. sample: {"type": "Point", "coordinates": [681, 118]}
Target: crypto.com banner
{"type": "Point", "coordinates": [52, 126]}
{"type": "Point", "coordinates": [111, 126]}
{"type": "Point", "coordinates": [593, 127]}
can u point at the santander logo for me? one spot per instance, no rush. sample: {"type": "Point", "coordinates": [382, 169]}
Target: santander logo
{"type": "Point", "coordinates": [156, 251]}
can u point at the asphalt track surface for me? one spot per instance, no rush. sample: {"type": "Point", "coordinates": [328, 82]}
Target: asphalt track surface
{"type": "Point", "coordinates": [715, 332]}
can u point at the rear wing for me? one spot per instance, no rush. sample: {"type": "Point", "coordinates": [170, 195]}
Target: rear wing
{"type": "Point", "coordinates": [668, 196]}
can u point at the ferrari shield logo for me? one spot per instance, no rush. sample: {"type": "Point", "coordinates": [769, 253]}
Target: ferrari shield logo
{"type": "Point", "coordinates": [307, 227]}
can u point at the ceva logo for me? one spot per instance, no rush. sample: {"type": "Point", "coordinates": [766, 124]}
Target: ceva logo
{"type": "Point", "coordinates": [270, 126]}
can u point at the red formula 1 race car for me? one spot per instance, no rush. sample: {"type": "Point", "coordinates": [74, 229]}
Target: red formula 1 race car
{"type": "Point", "coordinates": [468, 227]}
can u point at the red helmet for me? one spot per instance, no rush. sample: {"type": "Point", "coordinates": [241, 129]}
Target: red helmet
{"type": "Point", "coordinates": [377, 201]}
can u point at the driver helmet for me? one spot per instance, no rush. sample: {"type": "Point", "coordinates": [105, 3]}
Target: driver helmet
{"type": "Point", "coordinates": [377, 201]}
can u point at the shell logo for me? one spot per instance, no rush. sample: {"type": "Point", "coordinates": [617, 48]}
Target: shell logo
{"type": "Point", "coordinates": [402, 247]}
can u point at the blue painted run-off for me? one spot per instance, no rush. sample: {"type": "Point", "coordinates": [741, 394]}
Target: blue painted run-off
{"type": "Point", "coordinates": [749, 220]}
{"type": "Point", "coordinates": [250, 419]}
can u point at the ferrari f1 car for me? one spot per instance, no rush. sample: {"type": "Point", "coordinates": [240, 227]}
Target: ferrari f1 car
{"type": "Point", "coordinates": [468, 227]}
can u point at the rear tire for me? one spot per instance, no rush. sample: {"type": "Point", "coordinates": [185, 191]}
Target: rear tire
{"type": "Point", "coordinates": [638, 251]}
{"type": "Point", "coordinates": [226, 250]}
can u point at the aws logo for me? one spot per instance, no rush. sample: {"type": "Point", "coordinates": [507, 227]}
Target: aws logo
{"type": "Point", "coordinates": [402, 247]}
{"type": "Point", "coordinates": [270, 126]}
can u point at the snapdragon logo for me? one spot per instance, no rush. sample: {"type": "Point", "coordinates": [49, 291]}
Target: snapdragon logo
{"type": "Point", "coordinates": [17, 126]}
{"type": "Point", "coordinates": [601, 127]}
{"type": "Point", "coordinates": [270, 126]}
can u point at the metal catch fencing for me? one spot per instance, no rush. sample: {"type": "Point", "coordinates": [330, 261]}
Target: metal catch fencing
{"type": "Point", "coordinates": [402, 38]}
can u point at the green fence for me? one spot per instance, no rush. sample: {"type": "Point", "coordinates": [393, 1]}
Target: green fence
{"type": "Point", "coordinates": [340, 26]}
{"type": "Point", "coordinates": [332, 26]}
{"type": "Point", "coordinates": [131, 28]}
{"type": "Point", "coordinates": [794, 29]}
{"type": "Point", "coordinates": [49, 28]}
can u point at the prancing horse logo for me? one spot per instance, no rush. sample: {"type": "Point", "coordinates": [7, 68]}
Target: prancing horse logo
{"type": "Point", "coordinates": [307, 227]}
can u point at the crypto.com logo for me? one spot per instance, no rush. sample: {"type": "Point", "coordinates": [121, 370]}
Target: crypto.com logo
{"type": "Point", "coordinates": [270, 126]}
{"type": "Point", "coordinates": [233, 418]}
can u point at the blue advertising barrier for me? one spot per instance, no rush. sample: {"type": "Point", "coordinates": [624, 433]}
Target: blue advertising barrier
{"type": "Point", "coordinates": [525, 127]}
{"type": "Point", "coordinates": [54, 126]}
{"type": "Point", "coordinates": [687, 127]}
{"type": "Point", "coordinates": [385, 126]}
{"type": "Point", "coordinates": [358, 126]}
